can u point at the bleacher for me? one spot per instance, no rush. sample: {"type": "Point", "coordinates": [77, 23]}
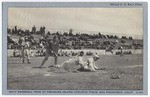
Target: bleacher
{"type": "Point", "coordinates": [68, 40]}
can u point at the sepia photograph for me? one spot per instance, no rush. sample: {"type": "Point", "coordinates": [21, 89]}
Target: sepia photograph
{"type": "Point", "coordinates": [75, 48]}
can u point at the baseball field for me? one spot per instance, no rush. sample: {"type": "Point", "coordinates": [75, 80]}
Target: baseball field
{"type": "Point", "coordinates": [115, 73]}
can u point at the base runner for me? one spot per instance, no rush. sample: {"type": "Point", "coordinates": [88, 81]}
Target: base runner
{"type": "Point", "coordinates": [85, 65]}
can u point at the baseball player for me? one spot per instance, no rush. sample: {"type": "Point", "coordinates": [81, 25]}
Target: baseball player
{"type": "Point", "coordinates": [55, 49]}
{"type": "Point", "coordinates": [24, 47]}
{"type": "Point", "coordinates": [85, 65]}
{"type": "Point", "coordinates": [52, 48]}
{"type": "Point", "coordinates": [26, 51]}
{"type": "Point", "coordinates": [21, 42]}
{"type": "Point", "coordinates": [121, 51]}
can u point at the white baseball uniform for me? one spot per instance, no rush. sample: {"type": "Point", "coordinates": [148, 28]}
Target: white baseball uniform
{"type": "Point", "coordinates": [88, 64]}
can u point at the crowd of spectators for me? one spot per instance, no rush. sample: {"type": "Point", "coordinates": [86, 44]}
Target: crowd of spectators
{"type": "Point", "coordinates": [69, 40]}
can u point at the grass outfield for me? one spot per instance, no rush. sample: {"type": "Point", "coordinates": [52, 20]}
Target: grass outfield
{"type": "Point", "coordinates": [28, 77]}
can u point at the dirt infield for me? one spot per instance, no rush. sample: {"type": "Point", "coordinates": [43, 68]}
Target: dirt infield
{"type": "Point", "coordinates": [115, 73]}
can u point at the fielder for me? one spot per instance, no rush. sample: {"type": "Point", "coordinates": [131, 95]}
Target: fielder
{"type": "Point", "coordinates": [55, 49]}
{"type": "Point", "coordinates": [85, 65]}
{"type": "Point", "coordinates": [52, 48]}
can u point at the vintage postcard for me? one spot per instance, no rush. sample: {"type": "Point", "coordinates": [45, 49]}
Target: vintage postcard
{"type": "Point", "coordinates": [68, 48]}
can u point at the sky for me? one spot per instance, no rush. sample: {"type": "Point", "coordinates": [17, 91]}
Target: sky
{"type": "Point", "coordinates": [119, 21]}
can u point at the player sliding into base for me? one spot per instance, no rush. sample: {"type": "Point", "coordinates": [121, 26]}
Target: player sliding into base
{"type": "Point", "coordinates": [85, 65]}
{"type": "Point", "coordinates": [52, 48]}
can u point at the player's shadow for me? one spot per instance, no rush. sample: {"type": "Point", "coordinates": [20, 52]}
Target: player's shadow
{"type": "Point", "coordinates": [14, 63]}
{"type": "Point", "coordinates": [83, 70]}
{"type": "Point", "coordinates": [38, 67]}
{"type": "Point", "coordinates": [87, 70]}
